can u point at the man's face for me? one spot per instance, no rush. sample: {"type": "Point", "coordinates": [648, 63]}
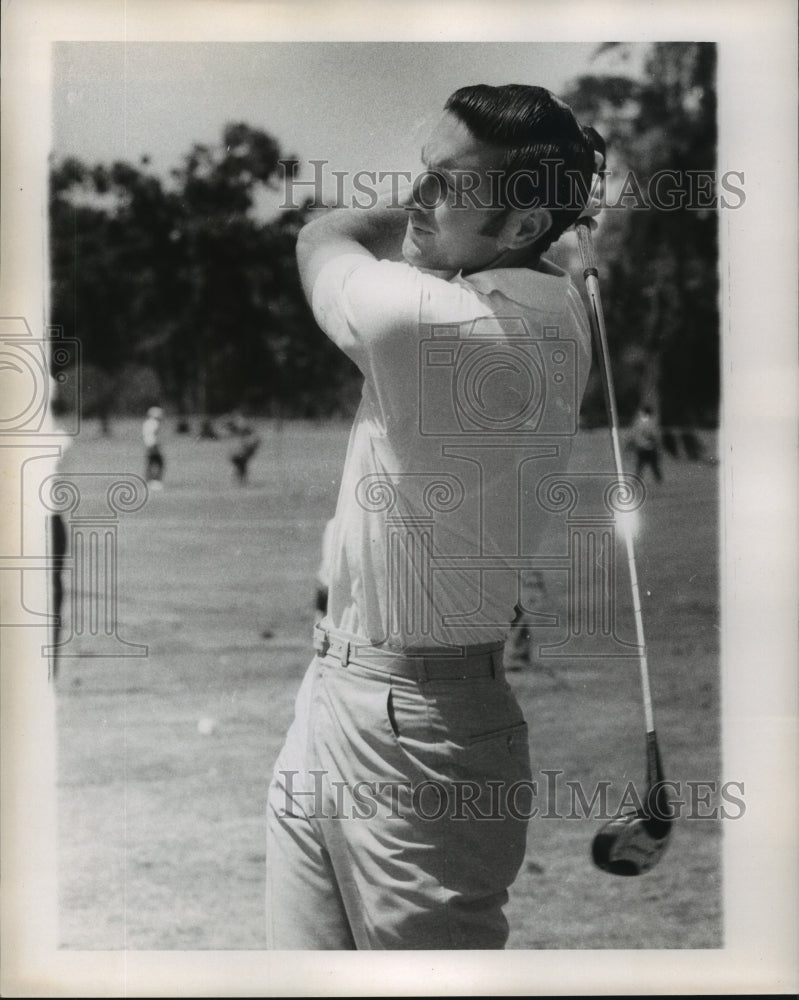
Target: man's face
{"type": "Point", "coordinates": [459, 230]}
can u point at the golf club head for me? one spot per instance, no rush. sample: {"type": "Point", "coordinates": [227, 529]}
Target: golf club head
{"type": "Point", "coordinates": [633, 843]}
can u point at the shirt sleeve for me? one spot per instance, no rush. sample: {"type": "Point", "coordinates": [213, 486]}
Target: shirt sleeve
{"type": "Point", "coordinates": [358, 301]}
{"type": "Point", "coordinates": [370, 307]}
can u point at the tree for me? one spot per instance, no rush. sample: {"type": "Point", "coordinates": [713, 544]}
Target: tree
{"type": "Point", "coordinates": [109, 237]}
{"type": "Point", "coordinates": [188, 281]}
{"type": "Point", "coordinates": [661, 259]}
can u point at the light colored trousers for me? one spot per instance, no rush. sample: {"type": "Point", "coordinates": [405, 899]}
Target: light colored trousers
{"type": "Point", "coordinates": [397, 811]}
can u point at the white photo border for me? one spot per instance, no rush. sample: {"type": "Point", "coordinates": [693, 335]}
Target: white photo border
{"type": "Point", "coordinates": [757, 91]}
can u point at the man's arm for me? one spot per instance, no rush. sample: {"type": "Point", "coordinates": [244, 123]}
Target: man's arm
{"type": "Point", "coordinates": [376, 232]}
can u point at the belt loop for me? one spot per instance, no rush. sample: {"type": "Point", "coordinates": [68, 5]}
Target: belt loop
{"type": "Point", "coordinates": [345, 652]}
{"type": "Point", "coordinates": [422, 675]}
{"type": "Point", "coordinates": [321, 640]}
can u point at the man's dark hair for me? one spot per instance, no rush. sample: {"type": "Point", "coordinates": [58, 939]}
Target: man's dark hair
{"type": "Point", "coordinates": [548, 156]}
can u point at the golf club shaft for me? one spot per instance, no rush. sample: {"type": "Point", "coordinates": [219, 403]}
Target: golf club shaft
{"type": "Point", "coordinates": [590, 275]}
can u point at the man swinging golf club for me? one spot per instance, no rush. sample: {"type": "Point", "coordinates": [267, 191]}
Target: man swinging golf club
{"type": "Point", "coordinates": [397, 812]}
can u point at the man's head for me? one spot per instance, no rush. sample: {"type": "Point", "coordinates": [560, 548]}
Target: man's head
{"type": "Point", "coordinates": [508, 171]}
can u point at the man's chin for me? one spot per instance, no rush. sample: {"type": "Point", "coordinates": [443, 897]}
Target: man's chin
{"type": "Point", "coordinates": [411, 253]}
{"type": "Point", "coordinates": [417, 258]}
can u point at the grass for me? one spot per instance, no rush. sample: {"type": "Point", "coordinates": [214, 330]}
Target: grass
{"type": "Point", "coordinates": [164, 760]}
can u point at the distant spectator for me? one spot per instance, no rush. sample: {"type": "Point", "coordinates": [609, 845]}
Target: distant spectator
{"type": "Point", "coordinates": [646, 442]}
{"type": "Point", "coordinates": [670, 442]}
{"type": "Point", "coordinates": [247, 443]}
{"type": "Point", "coordinates": [207, 430]}
{"type": "Point", "coordinates": [519, 646]}
{"type": "Point", "coordinates": [153, 456]}
{"type": "Point", "coordinates": [692, 445]}
{"type": "Point", "coordinates": [57, 535]}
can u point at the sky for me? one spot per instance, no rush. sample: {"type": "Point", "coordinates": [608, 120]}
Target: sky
{"type": "Point", "coordinates": [359, 105]}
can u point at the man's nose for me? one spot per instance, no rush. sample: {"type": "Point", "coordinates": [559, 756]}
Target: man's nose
{"type": "Point", "coordinates": [429, 190]}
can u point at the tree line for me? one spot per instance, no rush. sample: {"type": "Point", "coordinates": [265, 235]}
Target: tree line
{"type": "Point", "coordinates": [181, 295]}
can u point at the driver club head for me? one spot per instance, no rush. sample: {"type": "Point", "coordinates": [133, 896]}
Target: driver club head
{"type": "Point", "coordinates": [634, 842]}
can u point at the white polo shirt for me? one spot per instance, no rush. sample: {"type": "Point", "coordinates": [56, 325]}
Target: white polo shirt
{"type": "Point", "coordinates": [471, 396]}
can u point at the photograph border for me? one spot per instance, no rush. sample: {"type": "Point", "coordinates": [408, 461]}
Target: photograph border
{"type": "Point", "coordinates": [757, 91]}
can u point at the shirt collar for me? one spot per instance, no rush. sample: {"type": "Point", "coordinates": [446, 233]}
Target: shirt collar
{"type": "Point", "coordinates": [544, 289]}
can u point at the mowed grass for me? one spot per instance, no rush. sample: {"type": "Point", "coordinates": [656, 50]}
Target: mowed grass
{"type": "Point", "coordinates": [164, 759]}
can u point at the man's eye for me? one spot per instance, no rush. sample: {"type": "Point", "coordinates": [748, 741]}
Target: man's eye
{"type": "Point", "coordinates": [430, 189]}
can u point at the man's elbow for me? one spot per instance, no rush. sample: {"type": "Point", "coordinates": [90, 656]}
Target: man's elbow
{"type": "Point", "coordinates": [306, 235]}
{"type": "Point", "coordinates": [312, 250]}
{"type": "Point", "coordinates": [317, 229]}
{"type": "Point", "coordinates": [313, 238]}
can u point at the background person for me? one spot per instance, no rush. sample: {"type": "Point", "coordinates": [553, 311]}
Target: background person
{"type": "Point", "coordinates": [153, 456]}
{"type": "Point", "coordinates": [57, 533]}
{"type": "Point", "coordinates": [247, 443]}
{"type": "Point", "coordinates": [520, 644]}
{"type": "Point", "coordinates": [645, 438]}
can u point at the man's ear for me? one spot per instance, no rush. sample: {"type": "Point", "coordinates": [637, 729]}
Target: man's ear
{"type": "Point", "coordinates": [523, 228]}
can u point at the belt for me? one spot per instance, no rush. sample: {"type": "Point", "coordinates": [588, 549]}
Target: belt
{"type": "Point", "coordinates": [419, 664]}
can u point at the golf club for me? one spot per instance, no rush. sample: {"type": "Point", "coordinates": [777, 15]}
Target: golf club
{"type": "Point", "coordinates": [634, 842]}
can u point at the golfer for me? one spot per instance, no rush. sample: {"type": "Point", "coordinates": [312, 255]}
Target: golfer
{"type": "Point", "coordinates": [153, 456]}
{"type": "Point", "coordinates": [398, 807]}
{"type": "Point", "coordinates": [646, 441]}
